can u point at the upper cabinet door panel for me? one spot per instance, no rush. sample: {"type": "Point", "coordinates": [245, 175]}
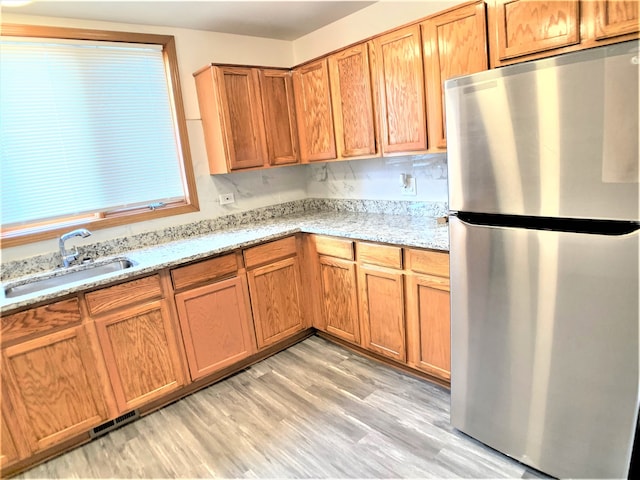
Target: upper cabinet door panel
{"type": "Point", "coordinates": [400, 78]}
{"type": "Point", "coordinates": [313, 107]}
{"type": "Point", "coordinates": [353, 107]}
{"type": "Point", "coordinates": [242, 114]}
{"type": "Point", "coordinates": [279, 110]}
{"type": "Point", "coordinates": [455, 43]}
{"type": "Point", "coordinates": [615, 17]}
{"type": "Point", "coordinates": [529, 26]}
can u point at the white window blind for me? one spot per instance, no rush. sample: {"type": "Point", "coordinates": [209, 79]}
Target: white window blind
{"type": "Point", "coordinates": [85, 127]}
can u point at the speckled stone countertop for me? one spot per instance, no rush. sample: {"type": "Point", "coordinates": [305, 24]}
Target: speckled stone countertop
{"type": "Point", "coordinates": [402, 229]}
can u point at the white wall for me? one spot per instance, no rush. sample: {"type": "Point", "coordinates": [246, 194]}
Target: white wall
{"type": "Point", "coordinates": [379, 179]}
{"type": "Point", "coordinates": [195, 49]}
{"type": "Point", "coordinates": [362, 179]}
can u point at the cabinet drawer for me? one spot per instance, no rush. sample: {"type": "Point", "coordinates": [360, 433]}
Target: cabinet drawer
{"type": "Point", "coordinates": [269, 252]}
{"type": "Point", "coordinates": [334, 247]}
{"type": "Point", "coordinates": [127, 293]}
{"type": "Point", "coordinates": [40, 319]}
{"type": "Point", "coordinates": [382, 255]}
{"type": "Point", "coordinates": [203, 271]}
{"type": "Point", "coordinates": [425, 261]}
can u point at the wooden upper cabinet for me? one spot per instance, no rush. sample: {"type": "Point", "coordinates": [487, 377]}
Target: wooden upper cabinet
{"type": "Point", "coordinates": [399, 73]}
{"type": "Point", "coordinates": [231, 111]}
{"type": "Point", "coordinates": [613, 18]}
{"type": "Point", "coordinates": [314, 113]}
{"type": "Point", "coordinates": [353, 102]}
{"type": "Point", "coordinates": [455, 43]}
{"type": "Point", "coordinates": [276, 88]}
{"type": "Point", "coordinates": [524, 27]}
{"type": "Point", "coordinates": [521, 30]}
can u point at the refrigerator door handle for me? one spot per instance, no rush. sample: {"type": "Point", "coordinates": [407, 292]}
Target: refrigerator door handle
{"type": "Point", "coordinates": [571, 225]}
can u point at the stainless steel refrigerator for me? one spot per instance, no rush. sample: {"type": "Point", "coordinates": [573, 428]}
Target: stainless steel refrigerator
{"type": "Point", "coordinates": [543, 193]}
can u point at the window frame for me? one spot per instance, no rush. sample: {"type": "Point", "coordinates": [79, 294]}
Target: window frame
{"type": "Point", "coordinates": [10, 237]}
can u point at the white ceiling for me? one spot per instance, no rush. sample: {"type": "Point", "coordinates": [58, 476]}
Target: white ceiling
{"type": "Point", "coordinates": [284, 20]}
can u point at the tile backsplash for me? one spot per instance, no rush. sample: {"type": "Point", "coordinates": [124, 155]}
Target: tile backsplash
{"type": "Point", "coordinates": [379, 178]}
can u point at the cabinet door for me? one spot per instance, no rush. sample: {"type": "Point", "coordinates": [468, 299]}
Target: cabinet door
{"type": "Point", "coordinates": [54, 387]}
{"type": "Point", "coordinates": [615, 17]}
{"type": "Point", "coordinates": [428, 325]}
{"type": "Point", "coordinates": [399, 72]}
{"type": "Point", "coordinates": [382, 311]}
{"type": "Point", "coordinates": [455, 43]}
{"type": "Point", "coordinates": [339, 298]}
{"type": "Point", "coordinates": [522, 27]}
{"type": "Point", "coordinates": [139, 346]}
{"type": "Point", "coordinates": [8, 450]}
{"type": "Point", "coordinates": [275, 298]}
{"type": "Point", "coordinates": [242, 113]}
{"type": "Point", "coordinates": [313, 107]}
{"type": "Point", "coordinates": [12, 442]}
{"type": "Point", "coordinates": [216, 326]}
{"type": "Point", "coordinates": [353, 107]}
{"type": "Point", "coordinates": [278, 105]}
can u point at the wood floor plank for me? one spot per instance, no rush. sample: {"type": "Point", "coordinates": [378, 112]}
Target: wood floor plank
{"type": "Point", "coordinates": [315, 410]}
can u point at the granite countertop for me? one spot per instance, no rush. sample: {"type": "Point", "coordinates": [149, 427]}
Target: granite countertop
{"type": "Point", "coordinates": [405, 230]}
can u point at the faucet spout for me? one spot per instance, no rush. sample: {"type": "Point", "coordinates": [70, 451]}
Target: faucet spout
{"type": "Point", "coordinates": [67, 257]}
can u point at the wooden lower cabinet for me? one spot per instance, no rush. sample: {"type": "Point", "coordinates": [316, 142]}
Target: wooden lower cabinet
{"type": "Point", "coordinates": [216, 325]}
{"type": "Point", "coordinates": [12, 443]}
{"type": "Point", "coordinates": [54, 387]}
{"type": "Point", "coordinates": [339, 298]}
{"type": "Point", "coordinates": [8, 449]}
{"type": "Point", "coordinates": [276, 300]}
{"type": "Point", "coordinates": [140, 350]}
{"type": "Point", "coordinates": [428, 325]}
{"type": "Point", "coordinates": [382, 311]}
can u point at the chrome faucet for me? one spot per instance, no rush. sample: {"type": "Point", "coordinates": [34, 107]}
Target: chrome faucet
{"type": "Point", "coordinates": [67, 257]}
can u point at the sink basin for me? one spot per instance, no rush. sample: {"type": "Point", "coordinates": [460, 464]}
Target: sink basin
{"type": "Point", "coordinates": [63, 277]}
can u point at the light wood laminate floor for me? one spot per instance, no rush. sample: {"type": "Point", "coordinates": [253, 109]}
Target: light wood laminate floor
{"type": "Point", "coordinates": [315, 410]}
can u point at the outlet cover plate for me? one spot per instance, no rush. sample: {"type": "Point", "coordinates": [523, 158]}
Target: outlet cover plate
{"type": "Point", "coordinates": [226, 198]}
{"type": "Point", "coordinates": [410, 187]}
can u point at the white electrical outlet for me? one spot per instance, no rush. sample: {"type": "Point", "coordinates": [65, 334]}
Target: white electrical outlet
{"type": "Point", "coordinates": [409, 187]}
{"type": "Point", "coordinates": [226, 198]}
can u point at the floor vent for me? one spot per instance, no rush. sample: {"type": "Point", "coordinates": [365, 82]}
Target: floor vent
{"type": "Point", "coordinates": [113, 424]}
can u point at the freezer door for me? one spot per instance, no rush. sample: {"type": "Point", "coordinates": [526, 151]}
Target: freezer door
{"type": "Point", "coordinates": [545, 346]}
{"type": "Point", "coordinates": [554, 138]}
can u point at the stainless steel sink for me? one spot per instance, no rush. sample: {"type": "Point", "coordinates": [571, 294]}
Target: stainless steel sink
{"type": "Point", "coordinates": [64, 276]}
